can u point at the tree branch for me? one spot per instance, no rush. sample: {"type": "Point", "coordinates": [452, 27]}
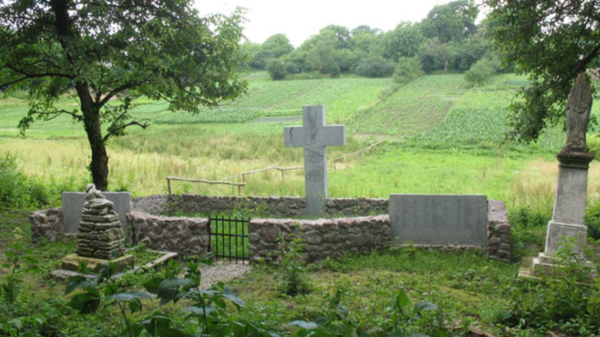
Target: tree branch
{"type": "Point", "coordinates": [117, 90]}
{"type": "Point", "coordinates": [29, 75]}
{"type": "Point", "coordinates": [58, 113]}
{"type": "Point", "coordinates": [121, 128]}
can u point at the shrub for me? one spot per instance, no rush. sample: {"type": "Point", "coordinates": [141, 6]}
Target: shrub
{"type": "Point", "coordinates": [563, 300]}
{"type": "Point", "coordinates": [277, 69]}
{"type": "Point", "coordinates": [408, 69]}
{"type": "Point", "coordinates": [375, 67]}
{"type": "Point", "coordinates": [482, 71]}
{"type": "Point", "coordinates": [16, 189]}
{"type": "Point", "coordinates": [592, 220]}
{"type": "Point", "coordinates": [292, 269]}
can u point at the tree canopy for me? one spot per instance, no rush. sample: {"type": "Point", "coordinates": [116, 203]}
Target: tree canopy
{"type": "Point", "coordinates": [553, 42]}
{"type": "Point", "coordinates": [454, 21]}
{"type": "Point", "coordinates": [97, 51]}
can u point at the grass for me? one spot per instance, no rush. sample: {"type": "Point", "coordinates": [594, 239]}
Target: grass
{"type": "Point", "coordinates": [444, 139]}
{"type": "Point", "coordinates": [462, 283]}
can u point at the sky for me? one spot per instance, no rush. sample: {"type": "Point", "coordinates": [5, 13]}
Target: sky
{"type": "Point", "coordinates": [300, 19]}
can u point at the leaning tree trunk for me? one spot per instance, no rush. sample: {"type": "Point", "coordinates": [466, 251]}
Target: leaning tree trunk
{"type": "Point", "coordinates": [91, 121]}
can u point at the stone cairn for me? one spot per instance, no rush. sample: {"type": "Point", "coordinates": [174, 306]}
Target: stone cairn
{"type": "Point", "coordinates": [100, 235]}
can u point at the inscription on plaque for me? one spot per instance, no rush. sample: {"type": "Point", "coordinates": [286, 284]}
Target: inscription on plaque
{"type": "Point", "coordinates": [439, 219]}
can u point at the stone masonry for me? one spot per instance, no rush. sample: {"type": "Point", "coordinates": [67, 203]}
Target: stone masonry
{"type": "Point", "coordinates": [190, 236]}
{"type": "Point", "coordinates": [186, 236]}
{"type": "Point", "coordinates": [46, 224]}
{"type": "Point", "coordinates": [499, 246]}
{"type": "Point", "coordinates": [272, 206]}
{"type": "Point", "coordinates": [323, 238]}
{"type": "Point", "coordinates": [100, 237]}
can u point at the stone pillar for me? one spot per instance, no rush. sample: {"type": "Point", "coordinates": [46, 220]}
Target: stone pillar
{"type": "Point", "coordinates": [568, 218]}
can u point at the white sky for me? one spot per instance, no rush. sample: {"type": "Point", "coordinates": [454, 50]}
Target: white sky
{"type": "Point", "coordinates": [299, 19]}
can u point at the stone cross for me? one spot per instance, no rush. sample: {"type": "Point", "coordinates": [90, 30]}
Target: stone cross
{"type": "Point", "coordinates": [314, 136]}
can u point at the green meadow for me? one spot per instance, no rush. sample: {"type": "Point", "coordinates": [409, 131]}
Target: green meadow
{"type": "Point", "coordinates": [440, 137]}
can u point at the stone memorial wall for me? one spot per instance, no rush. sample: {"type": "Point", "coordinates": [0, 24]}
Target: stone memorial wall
{"type": "Point", "coordinates": [186, 236]}
{"type": "Point", "coordinates": [439, 219]}
{"type": "Point", "coordinates": [72, 203]}
{"type": "Point", "coordinates": [498, 232]}
{"type": "Point", "coordinates": [272, 206]}
{"type": "Point", "coordinates": [189, 236]}
{"type": "Point", "coordinates": [46, 224]}
{"type": "Point", "coordinates": [324, 238]}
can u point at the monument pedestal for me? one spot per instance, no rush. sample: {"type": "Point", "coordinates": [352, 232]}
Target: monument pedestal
{"type": "Point", "coordinates": [547, 266]}
{"type": "Point", "coordinates": [71, 262]}
{"type": "Point", "coordinates": [559, 233]}
{"type": "Point", "coordinates": [566, 229]}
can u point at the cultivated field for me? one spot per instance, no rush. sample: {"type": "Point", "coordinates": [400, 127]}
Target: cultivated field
{"type": "Point", "coordinates": [442, 138]}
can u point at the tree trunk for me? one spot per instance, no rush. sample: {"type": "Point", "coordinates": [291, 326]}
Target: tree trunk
{"type": "Point", "coordinates": [91, 121]}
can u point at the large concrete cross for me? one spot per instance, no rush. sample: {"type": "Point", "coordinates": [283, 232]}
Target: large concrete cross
{"type": "Point", "coordinates": [314, 136]}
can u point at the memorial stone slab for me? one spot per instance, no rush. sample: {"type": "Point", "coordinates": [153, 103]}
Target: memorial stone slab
{"type": "Point", "coordinates": [439, 219]}
{"type": "Point", "coordinates": [72, 205]}
{"type": "Point", "coordinates": [314, 136]}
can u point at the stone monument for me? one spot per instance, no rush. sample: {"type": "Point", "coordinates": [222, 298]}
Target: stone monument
{"type": "Point", "coordinates": [568, 218]}
{"type": "Point", "coordinates": [314, 136]}
{"type": "Point", "coordinates": [100, 239]}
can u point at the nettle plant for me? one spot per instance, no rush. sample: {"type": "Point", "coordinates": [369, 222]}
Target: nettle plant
{"type": "Point", "coordinates": [291, 272]}
{"type": "Point", "coordinates": [208, 314]}
{"type": "Point", "coordinates": [565, 300]}
{"type": "Point", "coordinates": [421, 320]}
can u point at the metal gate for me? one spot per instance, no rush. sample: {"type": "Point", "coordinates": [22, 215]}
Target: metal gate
{"type": "Point", "coordinates": [229, 239]}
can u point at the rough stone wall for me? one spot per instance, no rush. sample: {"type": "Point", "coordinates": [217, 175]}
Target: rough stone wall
{"type": "Point", "coordinates": [499, 246]}
{"type": "Point", "coordinates": [186, 236]}
{"type": "Point", "coordinates": [153, 204]}
{"type": "Point", "coordinates": [273, 206]}
{"type": "Point", "coordinates": [323, 238]}
{"type": "Point", "coordinates": [46, 224]}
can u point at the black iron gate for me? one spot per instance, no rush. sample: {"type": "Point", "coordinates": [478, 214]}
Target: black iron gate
{"type": "Point", "coordinates": [229, 238]}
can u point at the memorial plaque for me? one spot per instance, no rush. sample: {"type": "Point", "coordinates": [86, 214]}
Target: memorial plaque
{"type": "Point", "coordinates": [439, 219]}
{"type": "Point", "coordinates": [72, 205]}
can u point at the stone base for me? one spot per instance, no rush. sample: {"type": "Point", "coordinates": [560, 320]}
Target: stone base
{"type": "Point", "coordinates": [558, 232]}
{"type": "Point", "coordinates": [546, 265]}
{"type": "Point", "coordinates": [71, 262]}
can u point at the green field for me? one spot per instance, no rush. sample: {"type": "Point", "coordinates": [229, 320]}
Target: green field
{"type": "Point", "coordinates": [441, 138]}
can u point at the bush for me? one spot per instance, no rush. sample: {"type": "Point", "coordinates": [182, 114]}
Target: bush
{"type": "Point", "coordinates": [563, 300]}
{"type": "Point", "coordinates": [408, 69]}
{"type": "Point", "coordinates": [592, 220]}
{"type": "Point", "coordinates": [481, 72]}
{"type": "Point", "coordinates": [291, 272]}
{"type": "Point", "coordinates": [375, 67]}
{"type": "Point", "coordinates": [16, 189]}
{"type": "Point", "coordinates": [277, 69]}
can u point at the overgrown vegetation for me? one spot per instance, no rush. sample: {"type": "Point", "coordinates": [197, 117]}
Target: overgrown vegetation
{"type": "Point", "coordinates": [399, 291]}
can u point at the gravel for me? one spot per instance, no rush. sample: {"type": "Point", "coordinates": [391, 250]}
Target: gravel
{"type": "Point", "coordinates": [223, 272]}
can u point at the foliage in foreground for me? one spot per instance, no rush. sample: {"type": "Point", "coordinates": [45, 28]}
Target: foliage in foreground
{"type": "Point", "coordinates": [369, 306]}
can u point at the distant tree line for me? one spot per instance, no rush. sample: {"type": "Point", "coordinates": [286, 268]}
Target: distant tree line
{"type": "Point", "coordinates": [447, 40]}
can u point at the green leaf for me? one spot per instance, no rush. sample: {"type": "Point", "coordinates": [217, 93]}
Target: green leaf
{"type": "Point", "coordinates": [304, 325]}
{"type": "Point", "coordinates": [16, 322]}
{"type": "Point", "coordinates": [423, 306]}
{"type": "Point", "coordinates": [85, 303]}
{"type": "Point", "coordinates": [122, 297]}
{"type": "Point", "coordinates": [236, 300]}
{"type": "Point", "coordinates": [402, 300]}
{"type": "Point", "coordinates": [199, 311]}
{"type": "Point", "coordinates": [74, 283]}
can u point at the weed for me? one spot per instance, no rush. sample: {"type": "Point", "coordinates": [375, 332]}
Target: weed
{"type": "Point", "coordinates": [291, 271]}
